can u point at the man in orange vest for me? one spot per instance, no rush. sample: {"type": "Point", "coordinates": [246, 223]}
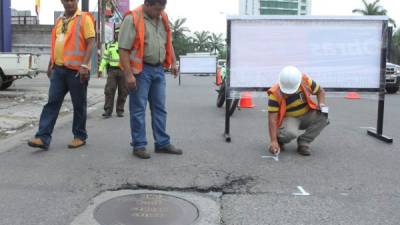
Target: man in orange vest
{"type": "Point", "coordinates": [145, 49]}
{"type": "Point", "coordinates": [290, 109]}
{"type": "Point", "coordinates": [72, 42]}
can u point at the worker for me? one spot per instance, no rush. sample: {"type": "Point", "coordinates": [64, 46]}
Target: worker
{"type": "Point", "coordinates": [291, 109]}
{"type": "Point", "coordinates": [72, 42]}
{"type": "Point", "coordinates": [145, 48]}
{"type": "Point", "coordinates": [115, 78]}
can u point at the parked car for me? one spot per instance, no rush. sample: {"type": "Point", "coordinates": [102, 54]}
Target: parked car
{"type": "Point", "coordinates": [15, 66]}
{"type": "Point", "coordinates": [392, 78]}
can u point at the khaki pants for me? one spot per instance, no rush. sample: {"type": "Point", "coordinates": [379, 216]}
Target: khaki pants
{"type": "Point", "coordinates": [312, 122]}
{"type": "Point", "coordinates": [115, 79]}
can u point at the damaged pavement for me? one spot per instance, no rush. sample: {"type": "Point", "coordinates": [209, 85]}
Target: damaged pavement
{"type": "Point", "coordinates": [351, 178]}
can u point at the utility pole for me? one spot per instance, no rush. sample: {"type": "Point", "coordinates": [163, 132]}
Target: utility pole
{"type": "Point", "coordinates": [85, 5]}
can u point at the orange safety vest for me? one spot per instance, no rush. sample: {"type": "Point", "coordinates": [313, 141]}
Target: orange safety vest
{"type": "Point", "coordinates": [276, 91]}
{"type": "Point", "coordinates": [137, 50]}
{"type": "Point", "coordinates": [74, 43]}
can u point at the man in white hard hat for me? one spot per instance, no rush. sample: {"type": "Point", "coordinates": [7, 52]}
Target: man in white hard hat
{"type": "Point", "coordinates": [291, 109]}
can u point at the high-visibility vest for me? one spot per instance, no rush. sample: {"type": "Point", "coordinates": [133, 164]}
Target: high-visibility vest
{"type": "Point", "coordinates": [305, 88]}
{"type": "Point", "coordinates": [110, 56]}
{"type": "Point", "coordinates": [137, 50]}
{"type": "Point", "coordinates": [74, 41]}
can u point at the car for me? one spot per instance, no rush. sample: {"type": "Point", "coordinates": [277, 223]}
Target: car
{"type": "Point", "coordinates": [15, 66]}
{"type": "Point", "coordinates": [392, 78]}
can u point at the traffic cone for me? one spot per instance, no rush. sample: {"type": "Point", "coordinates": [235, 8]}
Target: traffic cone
{"type": "Point", "coordinates": [352, 95]}
{"type": "Point", "coordinates": [218, 78]}
{"type": "Point", "coordinates": [246, 100]}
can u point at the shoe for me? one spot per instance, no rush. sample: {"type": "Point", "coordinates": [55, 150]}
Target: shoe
{"type": "Point", "coordinates": [169, 149]}
{"type": "Point", "coordinates": [76, 143]}
{"type": "Point", "coordinates": [141, 153]}
{"type": "Point", "coordinates": [106, 115]}
{"type": "Point", "coordinates": [120, 114]}
{"type": "Point", "coordinates": [303, 150]}
{"type": "Point", "coordinates": [38, 143]}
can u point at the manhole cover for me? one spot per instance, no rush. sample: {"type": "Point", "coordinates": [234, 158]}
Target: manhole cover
{"type": "Point", "coordinates": [146, 209]}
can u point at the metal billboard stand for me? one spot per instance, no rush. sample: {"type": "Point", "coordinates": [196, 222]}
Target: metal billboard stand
{"type": "Point", "coordinates": [386, 32]}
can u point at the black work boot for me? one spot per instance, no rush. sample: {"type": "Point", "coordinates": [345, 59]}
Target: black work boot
{"type": "Point", "coordinates": [141, 153]}
{"type": "Point", "coordinates": [303, 150]}
{"type": "Point", "coordinates": [169, 149]}
{"type": "Point", "coordinates": [106, 115]}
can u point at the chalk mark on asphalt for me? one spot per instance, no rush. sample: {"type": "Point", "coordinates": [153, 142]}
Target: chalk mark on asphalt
{"type": "Point", "coordinates": [302, 192]}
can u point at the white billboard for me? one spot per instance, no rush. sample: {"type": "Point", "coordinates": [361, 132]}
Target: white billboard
{"type": "Point", "coordinates": [337, 52]}
{"type": "Point", "coordinates": [198, 64]}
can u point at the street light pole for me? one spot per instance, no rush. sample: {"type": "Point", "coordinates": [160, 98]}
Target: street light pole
{"type": "Point", "coordinates": [85, 5]}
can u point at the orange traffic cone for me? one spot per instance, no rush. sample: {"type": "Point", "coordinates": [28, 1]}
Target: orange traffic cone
{"type": "Point", "coordinates": [352, 95]}
{"type": "Point", "coordinates": [218, 78]}
{"type": "Point", "coordinates": [246, 100]}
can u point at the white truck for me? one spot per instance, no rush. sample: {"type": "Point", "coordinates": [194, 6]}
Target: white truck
{"type": "Point", "coordinates": [15, 66]}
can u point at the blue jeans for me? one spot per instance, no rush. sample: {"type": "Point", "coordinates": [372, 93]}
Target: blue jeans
{"type": "Point", "coordinates": [63, 80]}
{"type": "Point", "coordinates": [150, 87]}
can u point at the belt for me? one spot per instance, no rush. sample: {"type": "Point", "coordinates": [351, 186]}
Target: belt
{"type": "Point", "coordinates": [114, 67]}
{"type": "Point", "coordinates": [153, 65]}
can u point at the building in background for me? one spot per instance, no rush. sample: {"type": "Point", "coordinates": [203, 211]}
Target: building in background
{"type": "Point", "coordinates": [275, 7]}
{"type": "Point", "coordinates": [23, 17]}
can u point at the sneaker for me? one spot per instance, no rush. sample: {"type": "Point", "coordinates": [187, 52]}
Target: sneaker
{"type": "Point", "coordinates": [120, 114]}
{"type": "Point", "coordinates": [303, 150]}
{"type": "Point", "coordinates": [37, 143]}
{"type": "Point", "coordinates": [106, 115]}
{"type": "Point", "coordinates": [76, 143]}
{"type": "Point", "coordinates": [169, 149]}
{"type": "Point", "coordinates": [141, 153]}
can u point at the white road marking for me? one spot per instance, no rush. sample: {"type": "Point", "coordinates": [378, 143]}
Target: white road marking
{"type": "Point", "coordinates": [302, 192]}
{"type": "Point", "coordinates": [367, 128]}
{"type": "Point", "coordinates": [276, 158]}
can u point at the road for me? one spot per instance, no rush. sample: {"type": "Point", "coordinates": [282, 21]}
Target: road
{"type": "Point", "coordinates": [351, 178]}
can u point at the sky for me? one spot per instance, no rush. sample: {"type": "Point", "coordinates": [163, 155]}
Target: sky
{"type": "Point", "coordinates": [211, 14]}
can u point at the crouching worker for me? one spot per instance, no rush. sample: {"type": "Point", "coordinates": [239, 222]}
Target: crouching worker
{"type": "Point", "coordinates": [291, 109]}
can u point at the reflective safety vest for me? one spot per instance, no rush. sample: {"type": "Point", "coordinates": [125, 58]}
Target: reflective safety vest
{"type": "Point", "coordinates": [137, 50]}
{"type": "Point", "coordinates": [110, 56]}
{"type": "Point", "coordinates": [74, 41]}
{"type": "Point", "coordinates": [276, 91]}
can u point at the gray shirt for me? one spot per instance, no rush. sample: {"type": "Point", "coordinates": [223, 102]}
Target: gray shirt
{"type": "Point", "coordinates": [155, 38]}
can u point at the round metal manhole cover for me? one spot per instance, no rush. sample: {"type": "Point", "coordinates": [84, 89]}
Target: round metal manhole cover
{"type": "Point", "coordinates": [146, 209]}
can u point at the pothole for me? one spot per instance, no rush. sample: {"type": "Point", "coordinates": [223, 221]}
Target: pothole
{"type": "Point", "coordinates": [149, 207]}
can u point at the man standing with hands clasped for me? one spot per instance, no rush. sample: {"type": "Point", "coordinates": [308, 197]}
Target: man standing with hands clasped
{"type": "Point", "coordinates": [72, 42]}
{"type": "Point", "coordinates": [145, 48]}
{"type": "Point", "coordinates": [290, 109]}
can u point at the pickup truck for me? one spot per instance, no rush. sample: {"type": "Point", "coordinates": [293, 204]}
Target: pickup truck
{"type": "Point", "coordinates": [15, 66]}
{"type": "Point", "coordinates": [392, 78]}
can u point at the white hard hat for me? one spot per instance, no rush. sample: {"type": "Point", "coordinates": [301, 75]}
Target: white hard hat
{"type": "Point", "coordinates": [289, 79]}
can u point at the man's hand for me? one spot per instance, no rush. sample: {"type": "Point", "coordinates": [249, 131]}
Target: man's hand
{"type": "Point", "coordinates": [274, 147]}
{"type": "Point", "coordinates": [49, 70]}
{"type": "Point", "coordinates": [174, 70]}
{"type": "Point", "coordinates": [83, 74]}
{"type": "Point", "coordinates": [131, 81]}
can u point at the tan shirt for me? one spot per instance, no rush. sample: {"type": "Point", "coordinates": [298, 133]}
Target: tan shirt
{"type": "Point", "coordinates": [155, 38]}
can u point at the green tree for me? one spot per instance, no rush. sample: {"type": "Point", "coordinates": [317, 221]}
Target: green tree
{"type": "Point", "coordinates": [216, 43]}
{"type": "Point", "coordinates": [395, 49]}
{"type": "Point", "coordinates": [181, 42]}
{"type": "Point", "coordinates": [177, 28]}
{"type": "Point", "coordinates": [201, 41]}
{"type": "Point", "coordinates": [373, 9]}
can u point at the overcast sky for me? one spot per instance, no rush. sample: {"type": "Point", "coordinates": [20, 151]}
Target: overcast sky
{"type": "Point", "coordinates": [210, 14]}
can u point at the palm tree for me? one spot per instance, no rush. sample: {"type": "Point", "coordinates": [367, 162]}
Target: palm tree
{"type": "Point", "coordinates": [177, 28]}
{"type": "Point", "coordinates": [201, 41]}
{"type": "Point", "coordinates": [216, 43]}
{"type": "Point", "coordinates": [373, 9]}
{"type": "Point", "coordinates": [395, 48]}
